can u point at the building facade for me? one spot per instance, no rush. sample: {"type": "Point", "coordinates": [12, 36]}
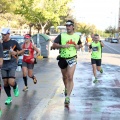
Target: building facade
{"type": "Point", "coordinates": [119, 17]}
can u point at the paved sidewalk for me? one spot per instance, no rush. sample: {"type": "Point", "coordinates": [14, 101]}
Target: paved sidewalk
{"type": "Point", "coordinates": [89, 101]}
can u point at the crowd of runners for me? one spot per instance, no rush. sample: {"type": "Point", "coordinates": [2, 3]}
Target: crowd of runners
{"type": "Point", "coordinates": [68, 44]}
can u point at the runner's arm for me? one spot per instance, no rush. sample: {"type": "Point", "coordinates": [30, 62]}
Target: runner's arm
{"type": "Point", "coordinates": [79, 45]}
{"type": "Point", "coordinates": [90, 48]}
{"type": "Point", "coordinates": [37, 50]}
{"type": "Point", "coordinates": [102, 44]}
{"type": "Point", "coordinates": [57, 43]}
{"type": "Point", "coordinates": [1, 55]}
{"type": "Point", "coordinates": [18, 50]}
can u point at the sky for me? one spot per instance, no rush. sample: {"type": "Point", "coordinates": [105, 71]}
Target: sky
{"type": "Point", "coordinates": [101, 13]}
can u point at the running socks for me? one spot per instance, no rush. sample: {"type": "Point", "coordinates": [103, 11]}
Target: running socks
{"type": "Point", "coordinates": [7, 90]}
{"type": "Point", "coordinates": [25, 80]}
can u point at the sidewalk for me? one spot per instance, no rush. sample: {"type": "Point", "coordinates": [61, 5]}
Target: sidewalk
{"type": "Point", "coordinates": [89, 101]}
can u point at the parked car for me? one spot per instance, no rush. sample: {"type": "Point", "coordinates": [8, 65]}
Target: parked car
{"type": "Point", "coordinates": [114, 40]}
{"type": "Point", "coordinates": [106, 39]}
{"type": "Point", "coordinates": [18, 38]}
{"type": "Point", "coordinates": [109, 39]}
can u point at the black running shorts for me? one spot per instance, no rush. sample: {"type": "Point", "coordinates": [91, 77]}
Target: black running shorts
{"type": "Point", "coordinates": [62, 63]}
{"type": "Point", "coordinates": [96, 61]}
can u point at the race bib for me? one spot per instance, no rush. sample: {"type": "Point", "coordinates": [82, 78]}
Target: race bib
{"type": "Point", "coordinates": [6, 55]}
{"type": "Point", "coordinates": [95, 49]}
{"type": "Point", "coordinates": [71, 61]}
{"type": "Point", "coordinates": [27, 52]}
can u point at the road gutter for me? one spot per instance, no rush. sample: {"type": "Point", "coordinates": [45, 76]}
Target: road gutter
{"type": "Point", "coordinates": [37, 113]}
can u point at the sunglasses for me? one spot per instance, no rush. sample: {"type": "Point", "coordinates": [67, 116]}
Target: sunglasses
{"type": "Point", "coordinates": [4, 34]}
{"type": "Point", "coordinates": [68, 25]}
{"type": "Point", "coordinates": [26, 38]}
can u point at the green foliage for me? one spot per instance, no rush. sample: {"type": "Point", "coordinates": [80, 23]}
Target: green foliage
{"type": "Point", "coordinates": [11, 20]}
{"type": "Point", "coordinates": [7, 6]}
{"type": "Point", "coordinates": [111, 30]}
{"type": "Point", "coordinates": [86, 28]}
{"type": "Point", "coordinates": [4, 6]}
{"type": "Point", "coordinates": [105, 35]}
{"type": "Point", "coordinates": [90, 29]}
{"type": "Point", "coordinates": [42, 12]}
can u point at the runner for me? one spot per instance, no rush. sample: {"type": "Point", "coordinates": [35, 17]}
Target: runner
{"type": "Point", "coordinates": [89, 41]}
{"type": "Point", "coordinates": [68, 43]}
{"type": "Point", "coordinates": [83, 40]}
{"type": "Point", "coordinates": [28, 60]}
{"type": "Point", "coordinates": [96, 55]}
{"type": "Point", "coordinates": [1, 62]}
{"type": "Point", "coordinates": [11, 50]}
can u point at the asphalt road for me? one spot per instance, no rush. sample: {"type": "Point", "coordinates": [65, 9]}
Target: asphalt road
{"type": "Point", "coordinates": [37, 102]}
{"type": "Point", "coordinates": [112, 48]}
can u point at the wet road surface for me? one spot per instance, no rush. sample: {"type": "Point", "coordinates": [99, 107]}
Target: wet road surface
{"type": "Point", "coordinates": [89, 101]}
{"type": "Point", "coordinates": [45, 100]}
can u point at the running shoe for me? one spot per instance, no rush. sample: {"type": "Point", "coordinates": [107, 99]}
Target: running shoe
{"type": "Point", "coordinates": [0, 113]}
{"type": "Point", "coordinates": [25, 88]}
{"type": "Point", "coordinates": [16, 91]}
{"type": "Point", "coordinates": [8, 100]}
{"type": "Point", "coordinates": [34, 80]}
{"type": "Point", "coordinates": [65, 92]}
{"type": "Point", "coordinates": [95, 81]}
{"type": "Point", "coordinates": [67, 100]}
{"type": "Point", "coordinates": [101, 71]}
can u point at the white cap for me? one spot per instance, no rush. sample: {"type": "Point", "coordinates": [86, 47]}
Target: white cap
{"type": "Point", "coordinates": [5, 31]}
{"type": "Point", "coordinates": [69, 22]}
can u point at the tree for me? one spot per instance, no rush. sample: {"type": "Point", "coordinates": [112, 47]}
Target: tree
{"type": "Point", "coordinates": [11, 20]}
{"type": "Point", "coordinates": [85, 28]}
{"type": "Point", "coordinates": [6, 6]}
{"type": "Point", "coordinates": [7, 16]}
{"type": "Point", "coordinates": [111, 30]}
{"type": "Point", "coordinates": [44, 12]}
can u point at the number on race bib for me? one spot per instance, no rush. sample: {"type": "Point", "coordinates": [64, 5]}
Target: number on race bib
{"type": "Point", "coordinates": [71, 61]}
{"type": "Point", "coordinates": [6, 55]}
{"type": "Point", "coordinates": [27, 52]}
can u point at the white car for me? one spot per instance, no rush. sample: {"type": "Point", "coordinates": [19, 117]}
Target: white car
{"type": "Point", "coordinates": [114, 40]}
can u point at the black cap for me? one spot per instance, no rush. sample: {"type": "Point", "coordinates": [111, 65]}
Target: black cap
{"type": "Point", "coordinates": [69, 22]}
